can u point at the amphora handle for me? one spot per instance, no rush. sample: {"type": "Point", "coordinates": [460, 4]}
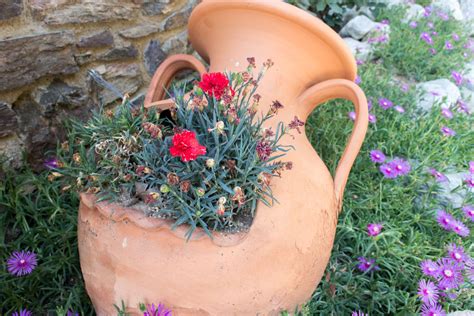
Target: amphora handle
{"type": "Point", "coordinates": [165, 74]}
{"type": "Point", "coordinates": [345, 89]}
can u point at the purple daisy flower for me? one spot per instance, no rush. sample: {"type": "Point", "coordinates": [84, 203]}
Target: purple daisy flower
{"type": "Point", "coordinates": [71, 313]}
{"type": "Point", "coordinates": [457, 77]}
{"type": "Point", "coordinates": [377, 156]}
{"type": "Point", "coordinates": [51, 163]}
{"type": "Point", "coordinates": [405, 87]}
{"type": "Point", "coordinates": [427, 11]}
{"type": "Point", "coordinates": [399, 109]}
{"type": "Point", "coordinates": [401, 166]}
{"type": "Point", "coordinates": [432, 310]}
{"type": "Point", "coordinates": [366, 264]}
{"type": "Point", "coordinates": [359, 313]}
{"type": "Point", "coordinates": [432, 51]}
{"type": "Point", "coordinates": [413, 24]}
{"type": "Point", "coordinates": [427, 38]}
{"type": "Point", "coordinates": [385, 103]}
{"type": "Point", "coordinates": [459, 228]}
{"type": "Point", "coordinates": [352, 116]}
{"type": "Point", "coordinates": [22, 312]}
{"type": "Point", "coordinates": [372, 118]}
{"type": "Point", "coordinates": [450, 273]}
{"type": "Point", "coordinates": [456, 252]}
{"type": "Point", "coordinates": [448, 45]}
{"type": "Point", "coordinates": [358, 80]}
{"type": "Point", "coordinates": [455, 37]}
{"type": "Point", "coordinates": [443, 16]}
{"type": "Point", "coordinates": [462, 107]}
{"type": "Point", "coordinates": [469, 180]}
{"type": "Point", "coordinates": [374, 229]}
{"type": "Point", "coordinates": [160, 310]}
{"type": "Point", "coordinates": [445, 219]}
{"type": "Point", "coordinates": [447, 113]}
{"type": "Point", "coordinates": [469, 269]}
{"type": "Point", "coordinates": [428, 292]}
{"type": "Point", "coordinates": [359, 62]}
{"type": "Point", "coordinates": [429, 268]}
{"type": "Point", "coordinates": [447, 131]}
{"type": "Point", "coordinates": [388, 171]}
{"type": "Point", "coordinates": [21, 263]}
{"type": "Point", "coordinates": [438, 175]}
{"type": "Point", "coordinates": [468, 211]}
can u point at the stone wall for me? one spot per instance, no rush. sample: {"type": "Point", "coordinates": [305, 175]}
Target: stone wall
{"type": "Point", "coordinates": [47, 48]}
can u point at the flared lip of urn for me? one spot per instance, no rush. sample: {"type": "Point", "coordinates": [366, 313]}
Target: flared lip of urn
{"type": "Point", "coordinates": [281, 10]}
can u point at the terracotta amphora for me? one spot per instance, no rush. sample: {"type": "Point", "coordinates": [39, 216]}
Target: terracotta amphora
{"type": "Point", "coordinates": [126, 256]}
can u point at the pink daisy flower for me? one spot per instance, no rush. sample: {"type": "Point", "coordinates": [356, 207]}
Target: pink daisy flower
{"type": "Point", "coordinates": [439, 177]}
{"type": "Point", "coordinates": [456, 252]}
{"type": "Point", "coordinates": [428, 292]}
{"type": "Point", "coordinates": [447, 113]}
{"type": "Point", "coordinates": [432, 310]}
{"type": "Point", "coordinates": [388, 171]}
{"type": "Point", "coordinates": [429, 268]}
{"type": "Point", "coordinates": [377, 156]}
{"type": "Point", "coordinates": [450, 273]}
{"type": "Point", "coordinates": [468, 211]}
{"type": "Point", "coordinates": [459, 228]}
{"type": "Point", "coordinates": [447, 131]}
{"type": "Point", "coordinates": [374, 229]}
{"type": "Point", "coordinates": [445, 219]}
{"type": "Point", "coordinates": [401, 166]}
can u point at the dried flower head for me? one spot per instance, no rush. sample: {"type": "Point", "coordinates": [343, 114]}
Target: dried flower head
{"type": "Point", "coordinates": [172, 178]}
{"type": "Point", "coordinates": [185, 186]}
{"type": "Point", "coordinates": [275, 106]}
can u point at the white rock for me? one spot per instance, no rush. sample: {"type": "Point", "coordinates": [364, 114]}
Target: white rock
{"type": "Point", "coordinates": [454, 191]}
{"type": "Point", "coordinates": [467, 7]}
{"type": "Point", "coordinates": [469, 76]}
{"type": "Point", "coordinates": [414, 12]}
{"type": "Point", "coordinates": [450, 6]}
{"type": "Point", "coordinates": [358, 27]}
{"type": "Point", "coordinates": [360, 50]}
{"type": "Point", "coordinates": [376, 34]}
{"type": "Point", "coordinates": [367, 12]}
{"type": "Point", "coordinates": [462, 313]}
{"type": "Point", "coordinates": [468, 97]}
{"type": "Point", "coordinates": [440, 91]}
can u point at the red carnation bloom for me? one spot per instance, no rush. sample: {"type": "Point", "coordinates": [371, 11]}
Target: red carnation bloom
{"type": "Point", "coordinates": [186, 146]}
{"type": "Point", "coordinates": [214, 84]}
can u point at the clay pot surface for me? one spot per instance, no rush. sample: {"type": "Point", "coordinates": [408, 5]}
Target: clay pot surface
{"type": "Point", "coordinates": [276, 265]}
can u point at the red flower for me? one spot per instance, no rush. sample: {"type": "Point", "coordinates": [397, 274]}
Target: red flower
{"type": "Point", "coordinates": [186, 146]}
{"type": "Point", "coordinates": [214, 84]}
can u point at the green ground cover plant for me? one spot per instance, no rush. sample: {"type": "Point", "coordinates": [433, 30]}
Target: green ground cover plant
{"type": "Point", "coordinates": [38, 211]}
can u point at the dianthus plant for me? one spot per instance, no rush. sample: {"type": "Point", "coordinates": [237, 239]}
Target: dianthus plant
{"type": "Point", "coordinates": [207, 163]}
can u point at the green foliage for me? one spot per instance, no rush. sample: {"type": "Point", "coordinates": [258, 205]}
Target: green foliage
{"type": "Point", "coordinates": [36, 215]}
{"type": "Point", "coordinates": [406, 206]}
{"type": "Point", "coordinates": [331, 11]}
{"type": "Point", "coordinates": [126, 155]}
{"type": "Point", "coordinates": [410, 56]}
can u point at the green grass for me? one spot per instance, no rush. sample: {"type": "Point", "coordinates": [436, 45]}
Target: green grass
{"type": "Point", "coordinates": [409, 56]}
{"type": "Point", "coordinates": [36, 215]}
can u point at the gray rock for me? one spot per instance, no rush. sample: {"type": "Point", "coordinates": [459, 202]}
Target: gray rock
{"type": "Point", "coordinates": [176, 44]}
{"type": "Point", "coordinates": [11, 149]}
{"type": "Point", "coordinates": [59, 95]}
{"type": "Point", "coordinates": [10, 9]}
{"type": "Point", "coordinates": [86, 11]}
{"type": "Point", "coordinates": [348, 15]}
{"type": "Point", "coordinates": [26, 59]}
{"type": "Point", "coordinates": [155, 7]}
{"type": "Point", "coordinates": [84, 58]}
{"type": "Point", "coordinates": [414, 12]}
{"type": "Point", "coordinates": [102, 39]}
{"type": "Point", "coordinates": [360, 50]}
{"type": "Point", "coordinates": [119, 53]}
{"type": "Point", "coordinates": [8, 120]}
{"type": "Point", "coordinates": [462, 313]}
{"type": "Point", "coordinates": [358, 27]}
{"type": "Point", "coordinates": [126, 78]}
{"type": "Point", "coordinates": [141, 30]}
{"type": "Point", "coordinates": [454, 191]}
{"type": "Point", "coordinates": [177, 19]}
{"type": "Point", "coordinates": [440, 91]}
{"type": "Point", "coordinates": [153, 56]}
{"type": "Point", "coordinates": [449, 6]}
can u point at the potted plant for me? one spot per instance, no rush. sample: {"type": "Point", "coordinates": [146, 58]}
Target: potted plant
{"type": "Point", "coordinates": [218, 209]}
